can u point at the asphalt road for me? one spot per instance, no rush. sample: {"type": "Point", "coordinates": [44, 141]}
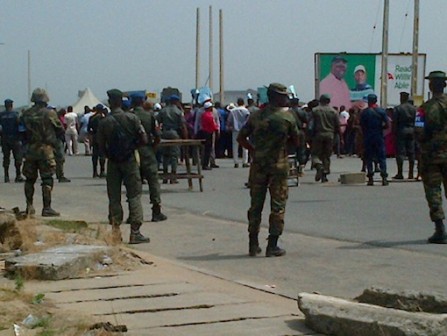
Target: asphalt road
{"type": "Point", "coordinates": [339, 239]}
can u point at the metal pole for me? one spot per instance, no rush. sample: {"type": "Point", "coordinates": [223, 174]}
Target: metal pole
{"type": "Point", "coordinates": [415, 59]}
{"type": "Point", "coordinates": [197, 47]}
{"type": "Point", "coordinates": [211, 50]}
{"type": "Point", "coordinates": [221, 59]}
{"type": "Point", "coordinates": [29, 77]}
{"type": "Point", "coordinates": [384, 81]}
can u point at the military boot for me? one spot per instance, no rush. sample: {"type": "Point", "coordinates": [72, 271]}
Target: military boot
{"type": "Point", "coordinates": [439, 237]}
{"type": "Point", "coordinates": [174, 177]}
{"type": "Point", "coordinates": [6, 175]}
{"type": "Point", "coordinates": [319, 173]}
{"type": "Point", "coordinates": [399, 175]}
{"type": "Point", "coordinates": [370, 181]}
{"type": "Point", "coordinates": [63, 179]}
{"type": "Point", "coordinates": [253, 245]}
{"type": "Point", "coordinates": [385, 180]}
{"type": "Point", "coordinates": [47, 211]}
{"type": "Point", "coordinates": [157, 215]}
{"type": "Point", "coordinates": [135, 235]}
{"type": "Point", "coordinates": [410, 170]}
{"type": "Point", "coordinates": [273, 250]}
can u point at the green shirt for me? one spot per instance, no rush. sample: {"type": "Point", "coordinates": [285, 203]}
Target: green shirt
{"type": "Point", "coordinates": [325, 120]}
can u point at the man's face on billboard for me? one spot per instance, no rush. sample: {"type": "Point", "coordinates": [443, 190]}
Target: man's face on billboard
{"type": "Point", "coordinates": [339, 69]}
{"type": "Point", "coordinates": [360, 77]}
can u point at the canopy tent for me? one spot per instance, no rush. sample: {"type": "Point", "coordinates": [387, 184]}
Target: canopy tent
{"type": "Point", "coordinates": [86, 97]}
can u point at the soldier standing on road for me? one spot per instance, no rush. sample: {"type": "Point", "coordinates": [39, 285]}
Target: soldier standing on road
{"type": "Point", "coordinates": [270, 129]}
{"type": "Point", "coordinates": [431, 134]}
{"type": "Point", "coordinates": [97, 155]}
{"type": "Point", "coordinates": [11, 141]}
{"type": "Point", "coordinates": [124, 172]}
{"type": "Point", "coordinates": [403, 130]}
{"type": "Point", "coordinates": [373, 121]}
{"type": "Point", "coordinates": [326, 125]}
{"type": "Point", "coordinates": [173, 126]}
{"type": "Point", "coordinates": [59, 155]}
{"type": "Point", "coordinates": [148, 160]}
{"type": "Point", "coordinates": [43, 128]}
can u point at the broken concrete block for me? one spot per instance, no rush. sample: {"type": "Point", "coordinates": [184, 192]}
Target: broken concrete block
{"type": "Point", "coordinates": [333, 316]}
{"type": "Point", "coordinates": [412, 301]}
{"type": "Point", "coordinates": [56, 263]}
{"type": "Point", "coordinates": [352, 178]}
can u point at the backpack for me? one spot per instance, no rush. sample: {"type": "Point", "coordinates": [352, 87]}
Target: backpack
{"type": "Point", "coordinates": [121, 145]}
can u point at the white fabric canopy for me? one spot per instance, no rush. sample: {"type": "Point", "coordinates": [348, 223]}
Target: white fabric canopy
{"type": "Point", "coordinates": [86, 98]}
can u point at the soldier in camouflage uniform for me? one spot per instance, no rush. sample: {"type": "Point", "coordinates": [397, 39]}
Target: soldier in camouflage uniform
{"type": "Point", "coordinates": [403, 130]}
{"type": "Point", "coordinates": [269, 129]}
{"type": "Point", "coordinates": [148, 160]}
{"type": "Point", "coordinates": [431, 134]}
{"type": "Point", "coordinates": [43, 127]}
{"type": "Point", "coordinates": [11, 141]}
{"type": "Point", "coordinates": [126, 172]}
{"type": "Point", "coordinates": [325, 126]}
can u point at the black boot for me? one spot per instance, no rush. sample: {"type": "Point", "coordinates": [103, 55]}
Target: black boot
{"type": "Point", "coordinates": [63, 179]}
{"type": "Point", "coordinates": [439, 237]}
{"type": "Point", "coordinates": [324, 178]}
{"type": "Point", "coordinates": [157, 215]}
{"type": "Point", "coordinates": [399, 175]}
{"type": "Point", "coordinates": [319, 173]}
{"type": "Point", "coordinates": [6, 175]}
{"type": "Point", "coordinates": [385, 180]}
{"type": "Point", "coordinates": [135, 235]}
{"type": "Point", "coordinates": [410, 169]}
{"type": "Point", "coordinates": [253, 245]}
{"type": "Point", "coordinates": [273, 250]}
{"type": "Point", "coordinates": [370, 181]}
{"type": "Point", "coordinates": [47, 211]}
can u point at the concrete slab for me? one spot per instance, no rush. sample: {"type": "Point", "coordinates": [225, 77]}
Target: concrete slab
{"type": "Point", "coordinates": [56, 263]}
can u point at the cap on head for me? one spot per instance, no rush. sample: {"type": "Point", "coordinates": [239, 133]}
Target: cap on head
{"type": "Point", "coordinates": [208, 104]}
{"type": "Point", "coordinates": [8, 101]}
{"type": "Point", "coordinates": [437, 75]}
{"type": "Point", "coordinates": [278, 88]}
{"type": "Point", "coordinates": [100, 107]}
{"type": "Point", "coordinates": [359, 68]}
{"type": "Point", "coordinates": [372, 98]}
{"type": "Point", "coordinates": [339, 58]}
{"type": "Point", "coordinates": [137, 97]}
{"type": "Point", "coordinates": [325, 97]}
{"type": "Point", "coordinates": [115, 94]}
{"type": "Point", "coordinates": [39, 95]}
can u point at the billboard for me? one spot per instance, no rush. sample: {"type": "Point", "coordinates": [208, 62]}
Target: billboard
{"type": "Point", "coordinates": [349, 77]}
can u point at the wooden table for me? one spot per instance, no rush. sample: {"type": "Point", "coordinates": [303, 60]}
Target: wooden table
{"type": "Point", "coordinates": [189, 175]}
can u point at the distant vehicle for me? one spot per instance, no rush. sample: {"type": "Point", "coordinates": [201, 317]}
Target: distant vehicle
{"type": "Point", "coordinates": [168, 92]}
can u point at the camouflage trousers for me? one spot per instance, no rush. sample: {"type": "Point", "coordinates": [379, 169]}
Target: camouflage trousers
{"type": "Point", "coordinates": [273, 178]}
{"type": "Point", "coordinates": [433, 176]}
{"type": "Point", "coordinates": [149, 172]}
{"type": "Point", "coordinates": [127, 173]}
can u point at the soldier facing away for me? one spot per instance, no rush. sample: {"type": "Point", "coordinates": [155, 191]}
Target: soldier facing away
{"type": "Point", "coordinates": [431, 134]}
{"type": "Point", "coordinates": [269, 130]}
{"type": "Point", "coordinates": [43, 127]}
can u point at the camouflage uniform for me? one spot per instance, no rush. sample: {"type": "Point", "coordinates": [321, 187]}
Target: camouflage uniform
{"type": "Point", "coordinates": [432, 138]}
{"type": "Point", "coordinates": [126, 172]}
{"type": "Point", "coordinates": [325, 125]}
{"type": "Point", "coordinates": [269, 129]}
{"type": "Point", "coordinates": [148, 160]}
{"type": "Point", "coordinates": [42, 130]}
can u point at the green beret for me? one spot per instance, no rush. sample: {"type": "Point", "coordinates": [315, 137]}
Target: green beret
{"type": "Point", "coordinates": [436, 75]}
{"type": "Point", "coordinates": [325, 96]}
{"type": "Point", "coordinates": [278, 88]}
{"type": "Point", "coordinates": [115, 94]}
{"type": "Point", "coordinates": [40, 96]}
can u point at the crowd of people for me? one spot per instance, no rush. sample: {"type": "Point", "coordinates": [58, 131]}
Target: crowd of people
{"type": "Point", "coordinates": [261, 137]}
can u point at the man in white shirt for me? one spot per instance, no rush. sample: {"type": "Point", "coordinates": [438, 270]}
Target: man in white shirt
{"type": "Point", "coordinates": [71, 132]}
{"type": "Point", "coordinates": [236, 119]}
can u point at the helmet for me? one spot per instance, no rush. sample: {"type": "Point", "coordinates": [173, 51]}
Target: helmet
{"type": "Point", "coordinates": [40, 96]}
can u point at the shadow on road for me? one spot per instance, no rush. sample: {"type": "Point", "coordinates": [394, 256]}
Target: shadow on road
{"type": "Point", "coordinates": [383, 244]}
{"type": "Point", "coordinates": [215, 256]}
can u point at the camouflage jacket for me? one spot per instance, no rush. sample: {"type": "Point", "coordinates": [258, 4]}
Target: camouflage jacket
{"type": "Point", "coordinates": [270, 129]}
{"type": "Point", "coordinates": [43, 128]}
{"type": "Point", "coordinates": [431, 129]}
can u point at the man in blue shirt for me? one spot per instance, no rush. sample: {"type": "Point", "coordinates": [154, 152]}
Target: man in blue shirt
{"type": "Point", "coordinates": [11, 142]}
{"type": "Point", "coordinates": [373, 121]}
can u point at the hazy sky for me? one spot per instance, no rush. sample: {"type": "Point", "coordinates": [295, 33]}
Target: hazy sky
{"type": "Point", "coordinates": [150, 44]}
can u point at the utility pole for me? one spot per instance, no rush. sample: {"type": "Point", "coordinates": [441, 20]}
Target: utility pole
{"type": "Point", "coordinates": [197, 47]}
{"type": "Point", "coordinates": [414, 63]}
{"type": "Point", "coordinates": [211, 50]}
{"type": "Point", "coordinates": [384, 81]}
{"type": "Point", "coordinates": [221, 59]}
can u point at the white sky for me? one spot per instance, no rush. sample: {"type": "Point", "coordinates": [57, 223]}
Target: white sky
{"type": "Point", "coordinates": [150, 44]}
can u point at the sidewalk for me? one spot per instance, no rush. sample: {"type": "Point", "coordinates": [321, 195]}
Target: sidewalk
{"type": "Point", "coordinates": [165, 298]}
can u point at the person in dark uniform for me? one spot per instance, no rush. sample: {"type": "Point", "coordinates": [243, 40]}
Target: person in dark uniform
{"type": "Point", "coordinates": [148, 160]}
{"type": "Point", "coordinates": [97, 156]}
{"type": "Point", "coordinates": [124, 172]}
{"type": "Point", "coordinates": [11, 142]}
{"type": "Point", "coordinates": [403, 131]}
{"type": "Point", "coordinates": [269, 130]}
{"type": "Point", "coordinates": [373, 121]}
{"type": "Point", "coordinates": [431, 135]}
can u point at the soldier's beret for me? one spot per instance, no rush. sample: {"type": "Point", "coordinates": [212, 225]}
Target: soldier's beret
{"type": "Point", "coordinates": [278, 88]}
{"type": "Point", "coordinates": [115, 94]}
{"type": "Point", "coordinates": [8, 101]}
{"type": "Point", "coordinates": [137, 96]}
{"type": "Point", "coordinates": [39, 95]}
{"type": "Point", "coordinates": [436, 75]}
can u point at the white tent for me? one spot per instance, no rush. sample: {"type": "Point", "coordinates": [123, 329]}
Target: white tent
{"type": "Point", "coordinates": [86, 97]}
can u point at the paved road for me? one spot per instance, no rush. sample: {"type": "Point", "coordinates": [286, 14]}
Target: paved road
{"type": "Point", "coordinates": [339, 239]}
